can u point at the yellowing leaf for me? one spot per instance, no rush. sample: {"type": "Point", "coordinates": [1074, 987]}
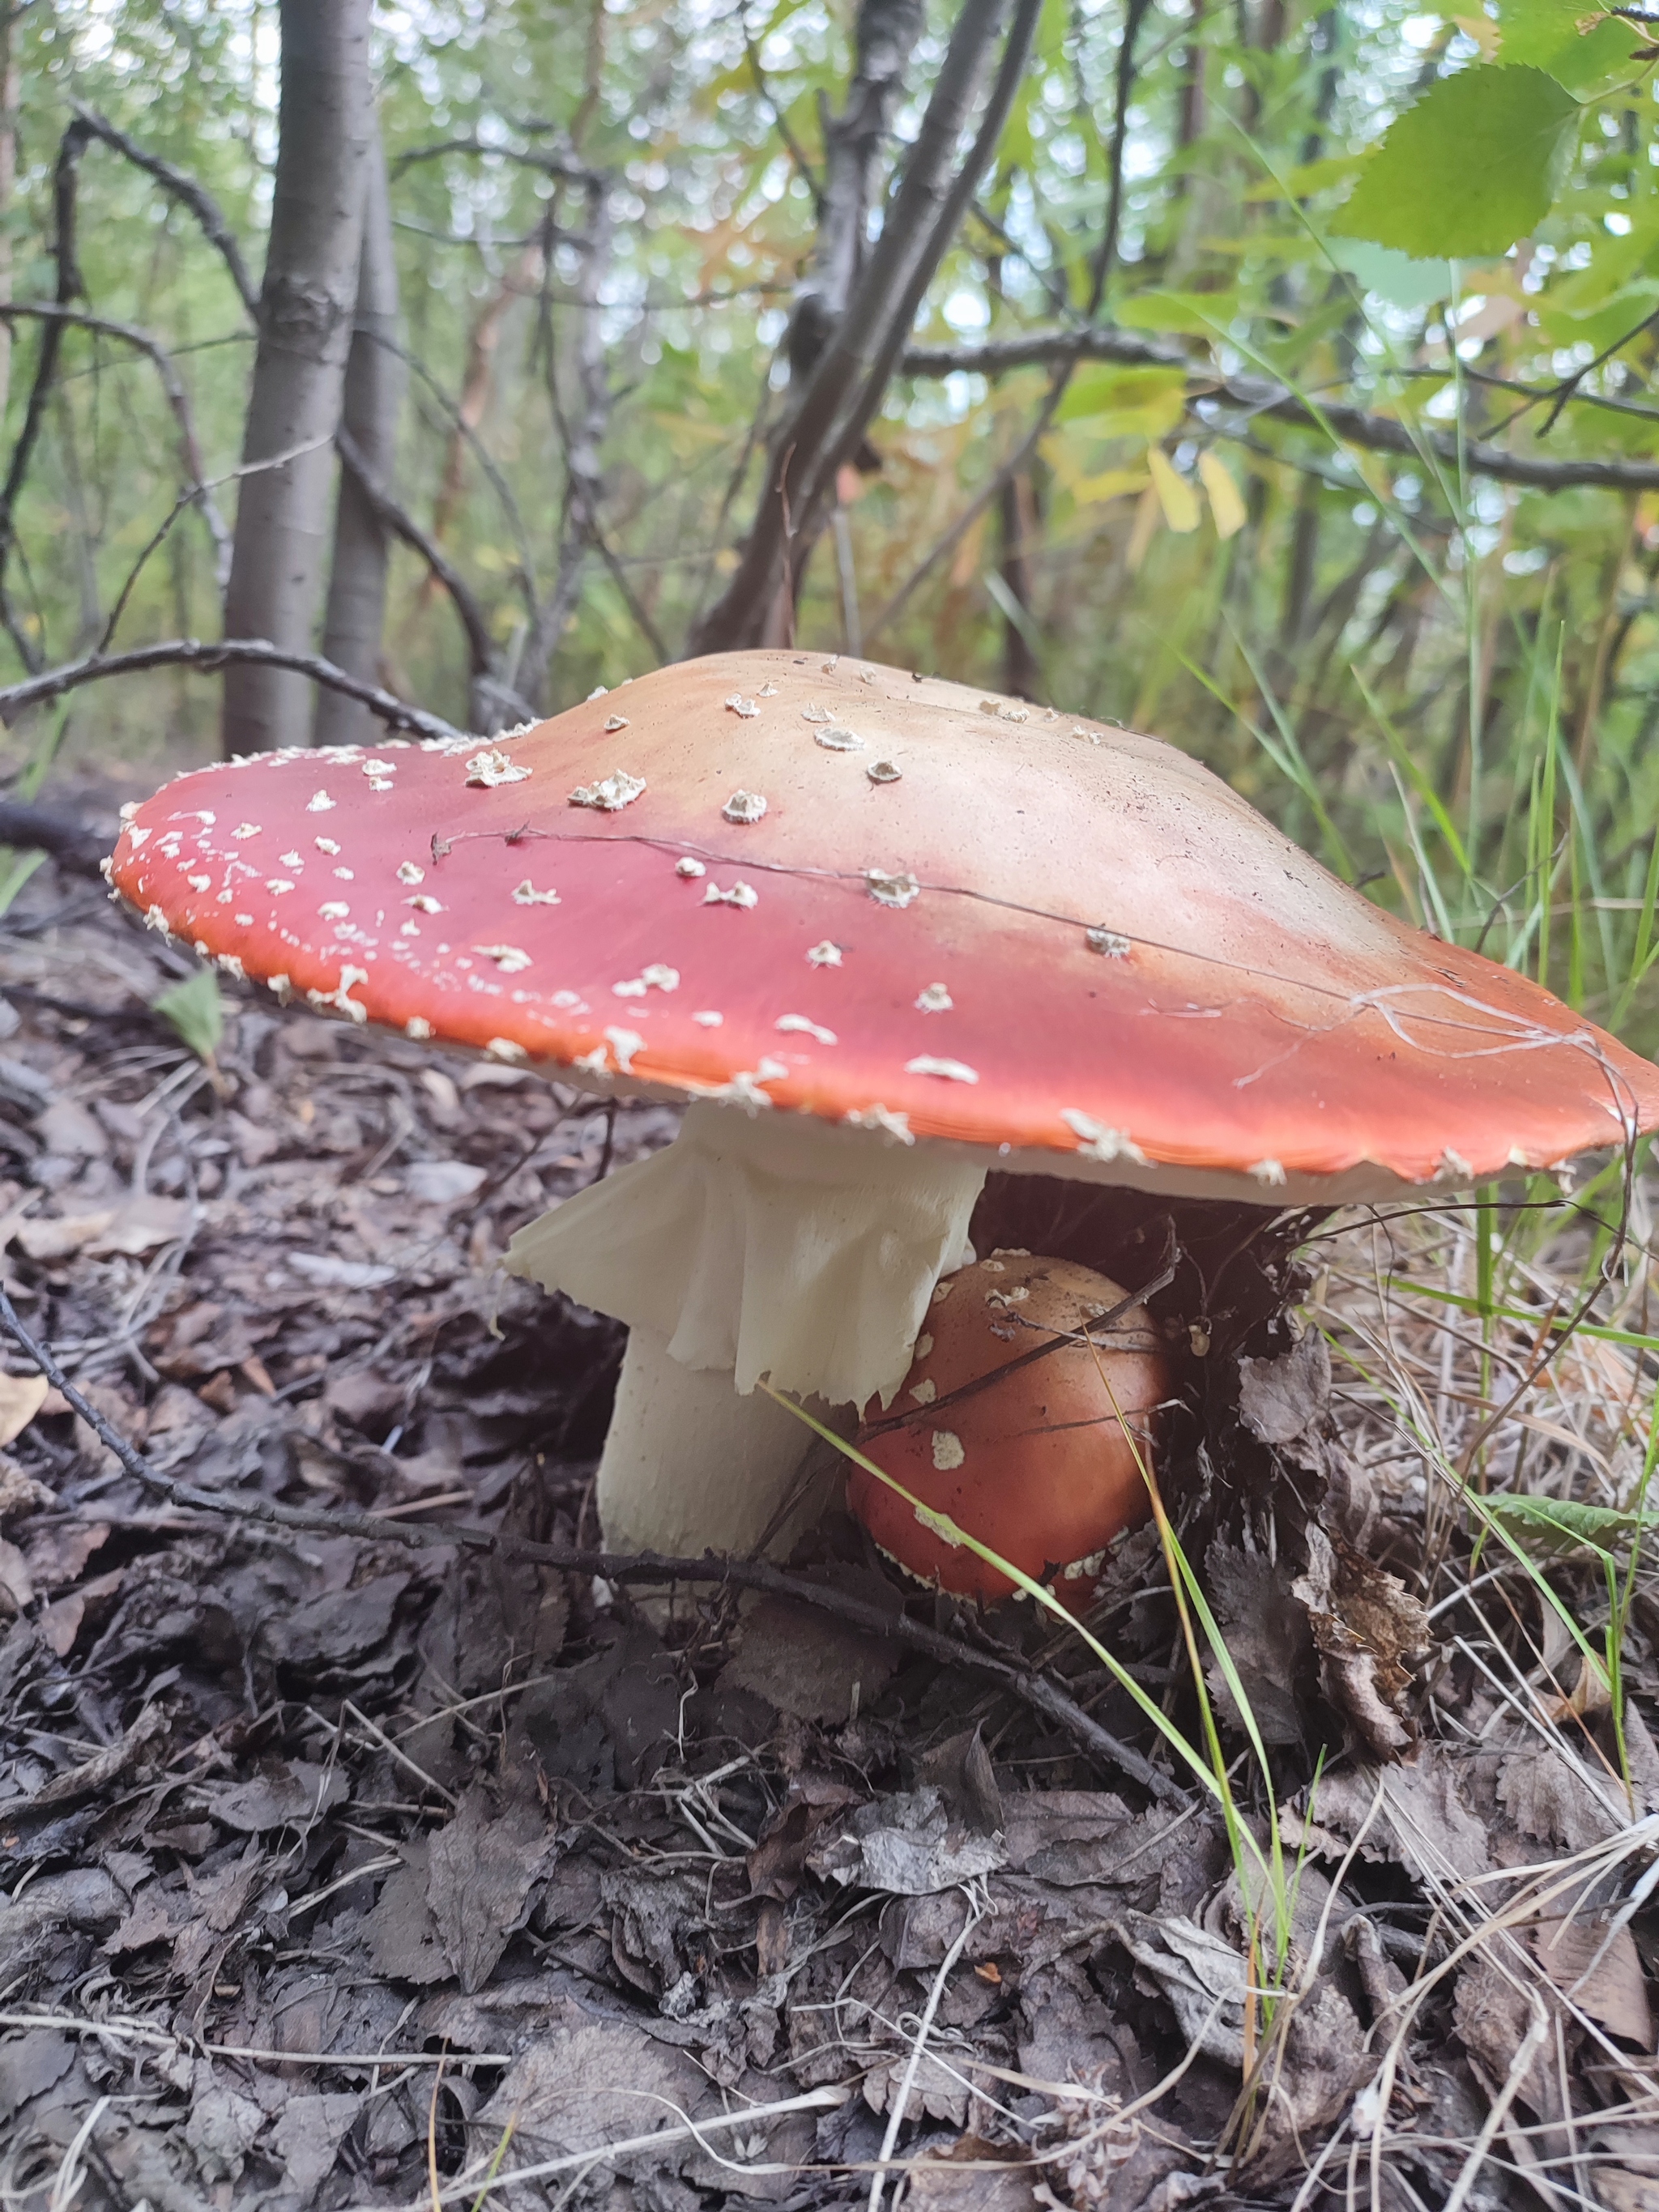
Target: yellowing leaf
{"type": "Point", "coordinates": [1147, 516]}
{"type": "Point", "coordinates": [1175, 495]}
{"type": "Point", "coordinates": [1484, 32]}
{"type": "Point", "coordinates": [1109, 484]}
{"type": "Point", "coordinates": [1226, 501]}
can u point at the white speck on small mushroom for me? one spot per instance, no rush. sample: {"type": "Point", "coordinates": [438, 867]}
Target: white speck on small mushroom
{"type": "Point", "coordinates": [491, 768]}
{"type": "Point", "coordinates": [996, 1265]}
{"type": "Point", "coordinates": [243, 920]}
{"type": "Point", "coordinates": [410, 871]}
{"type": "Point", "coordinates": [1517, 1158]}
{"type": "Point", "coordinates": [884, 771]}
{"type": "Point", "coordinates": [137, 839]}
{"type": "Point", "coordinates": [566, 999]}
{"type": "Point", "coordinates": [508, 1049]}
{"type": "Point", "coordinates": [200, 883]}
{"type": "Point", "coordinates": [611, 794]}
{"type": "Point", "coordinates": [1088, 736]}
{"type": "Point", "coordinates": [599, 691]}
{"type": "Point", "coordinates": [1455, 1166]}
{"type": "Point", "coordinates": [290, 860]}
{"type": "Point", "coordinates": [525, 894]}
{"type": "Point", "coordinates": [883, 1119]}
{"type": "Point", "coordinates": [230, 965]}
{"type": "Point", "coordinates": [128, 808]}
{"type": "Point", "coordinates": [924, 1392]}
{"type": "Point", "coordinates": [745, 709]}
{"type": "Point", "coordinates": [744, 1088]}
{"type": "Point", "coordinates": [200, 948]}
{"type": "Point", "coordinates": [708, 1019]}
{"type": "Point", "coordinates": [802, 1026]}
{"type": "Point", "coordinates": [1270, 1173]}
{"type": "Point", "coordinates": [613, 723]}
{"type": "Point", "coordinates": [418, 1027]}
{"type": "Point", "coordinates": [888, 889]}
{"type": "Point", "coordinates": [245, 829]}
{"type": "Point", "coordinates": [597, 1062]}
{"type": "Point", "coordinates": [743, 895]}
{"type": "Point", "coordinates": [423, 902]}
{"type": "Point", "coordinates": [345, 875]}
{"type": "Point", "coordinates": [744, 806]}
{"type": "Point", "coordinates": [379, 767]}
{"type": "Point", "coordinates": [933, 999]}
{"type": "Point", "coordinates": [625, 1043]}
{"type": "Point", "coordinates": [826, 954]}
{"type": "Point", "coordinates": [811, 713]}
{"type": "Point", "coordinates": [924, 1347]}
{"type": "Point", "coordinates": [280, 987]}
{"type": "Point", "coordinates": [408, 929]}
{"type": "Point", "coordinates": [278, 885]}
{"type": "Point", "coordinates": [941, 1292]}
{"type": "Point", "coordinates": [767, 692]}
{"type": "Point", "coordinates": [947, 1450]}
{"type": "Point", "coordinates": [952, 1071]}
{"type": "Point", "coordinates": [1111, 942]}
{"type": "Point", "coordinates": [689, 868]}
{"type": "Point", "coordinates": [507, 957]}
{"type": "Point", "coordinates": [381, 783]}
{"type": "Point", "coordinates": [327, 845]}
{"type": "Point", "coordinates": [1098, 1142]}
{"type": "Point", "coordinates": [836, 740]}
{"type": "Point", "coordinates": [334, 910]}
{"type": "Point", "coordinates": [320, 803]}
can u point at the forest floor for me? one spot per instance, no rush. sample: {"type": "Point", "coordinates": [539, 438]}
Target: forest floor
{"type": "Point", "coordinates": [337, 1869]}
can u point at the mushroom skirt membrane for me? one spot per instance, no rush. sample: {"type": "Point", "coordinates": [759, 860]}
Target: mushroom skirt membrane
{"type": "Point", "coordinates": [885, 934]}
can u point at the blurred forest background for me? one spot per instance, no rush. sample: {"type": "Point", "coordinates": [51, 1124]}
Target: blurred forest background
{"type": "Point", "coordinates": [1066, 347]}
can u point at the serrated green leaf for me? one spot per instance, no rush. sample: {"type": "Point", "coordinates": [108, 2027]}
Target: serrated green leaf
{"type": "Point", "coordinates": [1565, 40]}
{"type": "Point", "coordinates": [196, 1011]}
{"type": "Point", "coordinates": [1470, 167]}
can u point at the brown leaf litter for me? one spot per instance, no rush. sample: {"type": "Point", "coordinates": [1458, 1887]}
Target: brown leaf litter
{"type": "Point", "coordinates": [334, 1870]}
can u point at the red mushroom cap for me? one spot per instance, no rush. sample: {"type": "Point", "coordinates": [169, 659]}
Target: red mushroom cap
{"type": "Point", "coordinates": [769, 878]}
{"type": "Point", "coordinates": [1034, 1462]}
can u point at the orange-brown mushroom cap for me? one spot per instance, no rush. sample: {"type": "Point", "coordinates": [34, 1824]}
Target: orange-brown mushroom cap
{"type": "Point", "coordinates": [768, 878]}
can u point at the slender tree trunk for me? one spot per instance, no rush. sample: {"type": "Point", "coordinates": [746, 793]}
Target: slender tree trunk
{"type": "Point", "coordinates": [1016, 513]}
{"type": "Point", "coordinates": [375, 381]}
{"type": "Point", "coordinates": [8, 99]}
{"type": "Point", "coordinates": [325, 129]}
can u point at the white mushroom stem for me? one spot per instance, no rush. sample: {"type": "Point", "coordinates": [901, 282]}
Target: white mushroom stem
{"type": "Point", "coordinates": [750, 1247]}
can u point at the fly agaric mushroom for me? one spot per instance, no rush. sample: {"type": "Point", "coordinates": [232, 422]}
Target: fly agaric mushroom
{"type": "Point", "coordinates": [886, 934]}
{"type": "Point", "coordinates": [1026, 1421]}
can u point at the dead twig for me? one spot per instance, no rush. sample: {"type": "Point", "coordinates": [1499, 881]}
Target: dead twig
{"type": "Point", "coordinates": [194, 652]}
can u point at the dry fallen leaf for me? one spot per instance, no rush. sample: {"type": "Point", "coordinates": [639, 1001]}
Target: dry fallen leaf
{"type": "Point", "coordinates": [21, 1397]}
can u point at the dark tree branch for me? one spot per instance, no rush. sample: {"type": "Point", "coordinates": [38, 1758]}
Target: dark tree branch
{"type": "Point", "coordinates": [190, 453]}
{"type": "Point", "coordinates": [184, 188]}
{"type": "Point", "coordinates": [842, 392]}
{"type": "Point", "coordinates": [552, 164]}
{"type": "Point", "coordinates": [403, 524]}
{"type": "Point", "coordinates": [1036, 1690]}
{"type": "Point", "coordinates": [70, 287]}
{"type": "Point", "coordinates": [1348, 424]}
{"type": "Point", "coordinates": [194, 652]}
{"type": "Point", "coordinates": [76, 849]}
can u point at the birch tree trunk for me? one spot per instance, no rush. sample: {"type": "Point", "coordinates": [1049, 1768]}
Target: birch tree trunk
{"type": "Point", "coordinates": [325, 129]}
{"type": "Point", "coordinates": [374, 380]}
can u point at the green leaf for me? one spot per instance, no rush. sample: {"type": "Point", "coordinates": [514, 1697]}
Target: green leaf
{"type": "Point", "coordinates": [1393, 276]}
{"type": "Point", "coordinates": [1472, 167]}
{"type": "Point", "coordinates": [196, 1011]}
{"type": "Point", "coordinates": [1546, 34]}
{"type": "Point", "coordinates": [1560, 1520]}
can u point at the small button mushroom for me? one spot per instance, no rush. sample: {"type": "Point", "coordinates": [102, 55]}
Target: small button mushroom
{"type": "Point", "coordinates": [1036, 1456]}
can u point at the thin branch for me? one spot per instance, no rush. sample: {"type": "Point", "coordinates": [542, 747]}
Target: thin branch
{"type": "Point", "coordinates": [796, 151]}
{"type": "Point", "coordinates": [1011, 470]}
{"type": "Point", "coordinates": [185, 189]}
{"type": "Point", "coordinates": [403, 524]}
{"type": "Point", "coordinates": [178, 399]}
{"type": "Point", "coordinates": [1352, 425]}
{"type": "Point", "coordinates": [194, 652]}
{"type": "Point", "coordinates": [1008, 1669]}
{"type": "Point", "coordinates": [551, 164]}
{"type": "Point", "coordinates": [70, 286]}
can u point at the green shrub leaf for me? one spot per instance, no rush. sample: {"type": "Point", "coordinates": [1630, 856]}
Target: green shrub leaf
{"type": "Point", "coordinates": [1472, 167]}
